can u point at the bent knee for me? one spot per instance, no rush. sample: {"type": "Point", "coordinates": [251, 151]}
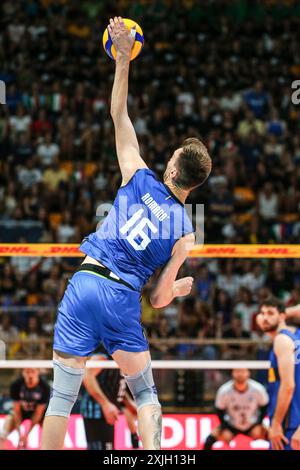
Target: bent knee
{"type": "Point", "coordinates": [143, 388]}
{"type": "Point", "coordinates": [65, 389]}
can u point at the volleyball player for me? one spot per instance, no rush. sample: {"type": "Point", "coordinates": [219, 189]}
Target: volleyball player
{"type": "Point", "coordinates": [147, 228]}
{"type": "Point", "coordinates": [241, 405]}
{"type": "Point", "coordinates": [284, 375]}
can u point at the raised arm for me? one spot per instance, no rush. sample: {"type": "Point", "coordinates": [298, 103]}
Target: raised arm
{"type": "Point", "coordinates": [126, 141]}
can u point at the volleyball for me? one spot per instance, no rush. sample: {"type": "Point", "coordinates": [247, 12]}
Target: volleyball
{"type": "Point", "coordinates": [138, 44]}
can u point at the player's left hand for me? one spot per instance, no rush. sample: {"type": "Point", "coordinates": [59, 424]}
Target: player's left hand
{"type": "Point", "coordinates": [277, 436]}
{"type": "Point", "coordinates": [295, 441]}
{"type": "Point", "coordinates": [122, 39]}
{"type": "Point", "coordinates": [183, 286]}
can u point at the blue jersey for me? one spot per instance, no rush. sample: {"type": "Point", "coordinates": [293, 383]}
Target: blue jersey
{"type": "Point", "coordinates": [140, 230]}
{"type": "Point", "coordinates": [292, 419]}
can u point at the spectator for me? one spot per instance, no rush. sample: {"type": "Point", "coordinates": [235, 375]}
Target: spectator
{"type": "Point", "coordinates": [235, 331]}
{"type": "Point", "coordinates": [20, 123]}
{"type": "Point", "coordinates": [250, 125]}
{"type": "Point", "coordinates": [23, 149]}
{"type": "Point", "coordinates": [268, 203]}
{"type": "Point", "coordinates": [204, 284]}
{"type": "Point", "coordinates": [65, 231]}
{"type": "Point", "coordinates": [8, 332]}
{"type": "Point", "coordinates": [257, 100]}
{"type": "Point", "coordinates": [245, 309]}
{"type": "Point", "coordinates": [29, 175]}
{"type": "Point", "coordinates": [54, 175]}
{"type": "Point", "coordinates": [222, 305]}
{"type": "Point", "coordinates": [254, 279]}
{"type": "Point", "coordinates": [228, 280]}
{"type": "Point", "coordinates": [48, 150]}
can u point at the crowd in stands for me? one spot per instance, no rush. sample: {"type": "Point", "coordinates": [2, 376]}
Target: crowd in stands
{"type": "Point", "coordinates": [220, 70]}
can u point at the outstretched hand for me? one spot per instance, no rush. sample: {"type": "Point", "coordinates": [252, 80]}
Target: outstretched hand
{"type": "Point", "coordinates": [122, 39]}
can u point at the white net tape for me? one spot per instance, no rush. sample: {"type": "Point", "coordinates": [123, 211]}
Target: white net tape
{"type": "Point", "coordinates": [205, 365]}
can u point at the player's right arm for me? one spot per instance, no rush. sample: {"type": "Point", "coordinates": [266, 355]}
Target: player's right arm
{"type": "Point", "coordinates": [17, 412]}
{"type": "Point", "coordinates": [14, 393]}
{"type": "Point", "coordinates": [167, 287]}
{"type": "Point", "coordinates": [127, 145]}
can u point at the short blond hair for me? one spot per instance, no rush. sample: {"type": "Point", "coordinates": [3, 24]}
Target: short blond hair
{"type": "Point", "coordinates": [193, 164]}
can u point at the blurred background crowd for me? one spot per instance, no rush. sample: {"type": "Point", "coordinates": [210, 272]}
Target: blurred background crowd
{"type": "Point", "coordinates": [217, 69]}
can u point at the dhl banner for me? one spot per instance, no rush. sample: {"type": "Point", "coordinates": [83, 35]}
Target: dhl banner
{"type": "Point", "coordinates": [199, 251]}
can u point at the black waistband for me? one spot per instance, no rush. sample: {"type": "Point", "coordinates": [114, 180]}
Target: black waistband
{"type": "Point", "coordinates": [103, 271]}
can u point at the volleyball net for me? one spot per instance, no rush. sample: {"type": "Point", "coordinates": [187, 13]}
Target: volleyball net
{"type": "Point", "coordinates": [209, 251]}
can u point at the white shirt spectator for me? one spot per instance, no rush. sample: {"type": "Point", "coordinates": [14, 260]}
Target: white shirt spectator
{"type": "Point", "coordinates": [20, 123]}
{"type": "Point", "coordinates": [29, 177]}
{"type": "Point", "coordinates": [140, 126]}
{"type": "Point", "coordinates": [8, 334]}
{"type": "Point", "coordinates": [231, 103]}
{"type": "Point", "coordinates": [16, 32]}
{"type": "Point", "coordinates": [230, 285]}
{"type": "Point", "coordinates": [100, 181]}
{"type": "Point", "coordinates": [268, 206]}
{"type": "Point", "coordinates": [36, 30]}
{"type": "Point", "coordinates": [47, 153]}
{"type": "Point", "coordinates": [22, 264]}
{"type": "Point", "coordinates": [252, 282]}
{"type": "Point", "coordinates": [10, 204]}
{"type": "Point", "coordinates": [65, 233]}
{"type": "Point", "coordinates": [187, 99]}
{"type": "Point", "coordinates": [246, 313]}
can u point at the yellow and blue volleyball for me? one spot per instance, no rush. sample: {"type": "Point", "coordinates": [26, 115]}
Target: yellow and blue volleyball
{"type": "Point", "coordinates": [137, 46]}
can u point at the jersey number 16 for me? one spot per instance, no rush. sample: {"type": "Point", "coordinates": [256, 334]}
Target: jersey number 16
{"type": "Point", "coordinates": [137, 231]}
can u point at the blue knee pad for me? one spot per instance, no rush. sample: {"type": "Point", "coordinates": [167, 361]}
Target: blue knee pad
{"type": "Point", "coordinates": [142, 387]}
{"type": "Point", "coordinates": [65, 389]}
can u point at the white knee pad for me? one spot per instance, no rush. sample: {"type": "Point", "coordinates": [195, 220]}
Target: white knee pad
{"type": "Point", "coordinates": [142, 387]}
{"type": "Point", "coordinates": [65, 389]}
